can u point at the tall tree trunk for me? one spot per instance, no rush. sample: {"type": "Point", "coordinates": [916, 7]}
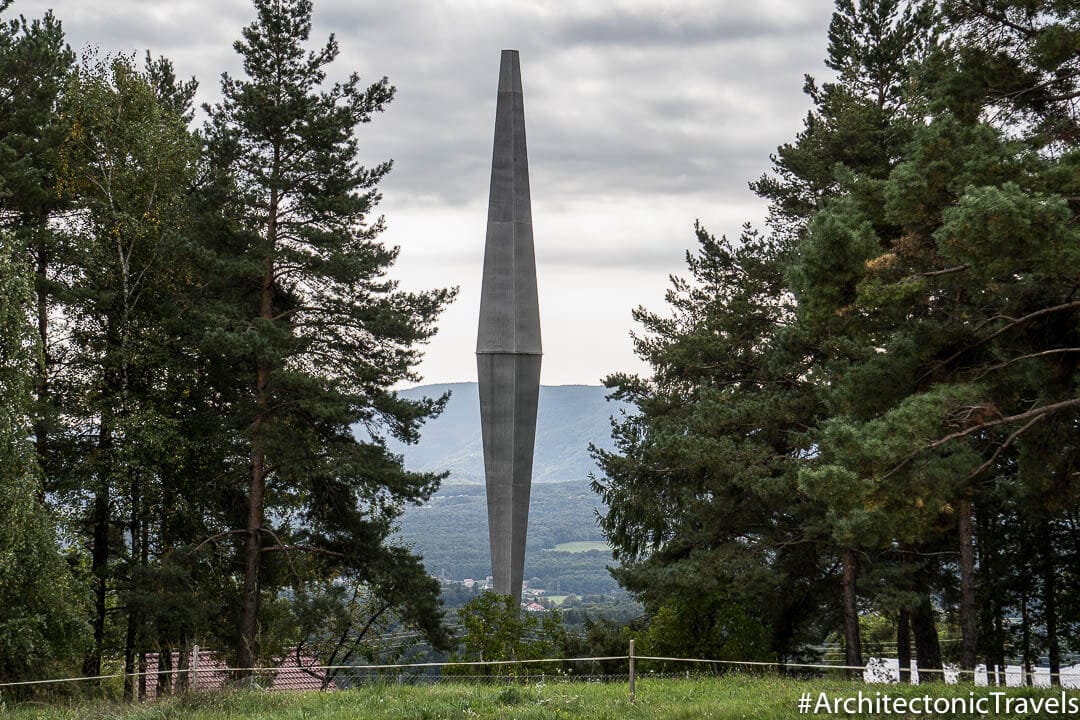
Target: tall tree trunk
{"type": "Point", "coordinates": [987, 641]}
{"type": "Point", "coordinates": [164, 675]}
{"type": "Point", "coordinates": [999, 642]}
{"type": "Point", "coordinates": [104, 467]}
{"type": "Point", "coordinates": [142, 675]}
{"type": "Point", "coordinates": [99, 566]}
{"type": "Point", "coordinates": [247, 651]}
{"type": "Point", "coordinates": [129, 659]}
{"type": "Point", "coordinates": [903, 645]}
{"type": "Point", "coordinates": [852, 644]}
{"type": "Point", "coordinates": [144, 547]}
{"type": "Point", "coordinates": [1048, 558]}
{"type": "Point", "coordinates": [927, 647]}
{"type": "Point", "coordinates": [1025, 638]}
{"type": "Point", "coordinates": [131, 636]}
{"type": "Point", "coordinates": [968, 624]}
{"type": "Point", "coordinates": [183, 665]}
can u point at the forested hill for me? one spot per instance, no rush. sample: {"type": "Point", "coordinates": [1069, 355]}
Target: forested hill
{"type": "Point", "coordinates": [568, 419]}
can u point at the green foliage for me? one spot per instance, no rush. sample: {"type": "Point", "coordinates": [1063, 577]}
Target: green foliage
{"type": "Point", "coordinates": [341, 621]}
{"type": "Point", "coordinates": [494, 627]}
{"type": "Point", "coordinates": [860, 467]}
{"type": "Point", "coordinates": [870, 41]}
{"type": "Point", "coordinates": [706, 627]}
{"type": "Point", "coordinates": [42, 628]}
{"type": "Point", "coordinates": [703, 499]}
{"type": "Point", "coordinates": [148, 247]}
{"type": "Point", "coordinates": [1017, 57]}
{"type": "Point", "coordinates": [832, 260]}
{"type": "Point", "coordinates": [982, 227]}
{"type": "Point", "coordinates": [892, 373]}
{"type": "Point", "coordinates": [34, 63]}
{"type": "Point", "coordinates": [312, 319]}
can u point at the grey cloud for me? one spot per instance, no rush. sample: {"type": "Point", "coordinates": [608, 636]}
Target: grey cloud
{"type": "Point", "coordinates": [644, 27]}
{"type": "Point", "coordinates": [668, 108]}
{"type": "Point", "coordinates": [634, 96]}
{"type": "Point", "coordinates": [619, 96]}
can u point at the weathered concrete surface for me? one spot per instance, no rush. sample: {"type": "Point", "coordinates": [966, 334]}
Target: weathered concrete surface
{"type": "Point", "coordinates": [508, 342]}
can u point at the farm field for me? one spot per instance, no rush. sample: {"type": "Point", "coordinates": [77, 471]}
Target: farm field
{"type": "Point", "coordinates": [729, 697]}
{"type": "Point", "coordinates": [581, 546]}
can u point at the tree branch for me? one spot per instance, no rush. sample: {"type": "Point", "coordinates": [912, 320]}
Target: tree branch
{"type": "Point", "coordinates": [218, 536]}
{"type": "Point", "coordinates": [1001, 448]}
{"type": "Point", "coordinates": [284, 549]}
{"type": "Point", "coordinates": [1035, 413]}
{"type": "Point", "coordinates": [946, 271]}
{"type": "Point", "coordinates": [1013, 323]}
{"type": "Point", "coordinates": [304, 548]}
{"type": "Point", "coordinates": [1055, 351]}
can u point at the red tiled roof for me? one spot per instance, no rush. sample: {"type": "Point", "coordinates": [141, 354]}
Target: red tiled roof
{"type": "Point", "coordinates": [211, 673]}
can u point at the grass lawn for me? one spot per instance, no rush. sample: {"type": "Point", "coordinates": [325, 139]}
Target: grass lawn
{"type": "Point", "coordinates": [580, 546]}
{"type": "Point", "coordinates": [730, 697]}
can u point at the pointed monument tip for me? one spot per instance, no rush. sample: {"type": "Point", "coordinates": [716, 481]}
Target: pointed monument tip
{"type": "Point", "coordinates": [509, 72]}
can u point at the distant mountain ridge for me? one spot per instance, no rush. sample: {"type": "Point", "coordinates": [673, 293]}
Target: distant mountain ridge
{"type": "Point", "coordinates": [569, 417]}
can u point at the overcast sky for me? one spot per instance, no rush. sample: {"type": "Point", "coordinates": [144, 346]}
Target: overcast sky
{"type": "Point", "coordinates": [641, 117]}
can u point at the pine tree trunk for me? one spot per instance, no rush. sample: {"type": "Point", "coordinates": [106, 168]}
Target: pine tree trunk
{"type": "Point", "coordinates": [852, 644]}
{"type": "Point", "coordinates": [247, 651]}
{"type": "Point", "coordinates": [999, 642]}
{"type": "Point", "coordinates": [144, 558]}
{"type": "Point", "coordinates": [183, 666]}
{"type": "Point", "coordinates": [1050, 614]}
{"type": "Point", "coordinates": [927, 647]}
{"type": "Point", "coordinates": [1025, 638]}
{"type": "Point", "coordinates": [903, 645]}
{"type": "Point", "coordinates": [164, 676]}
{"type": "Point", "coordinates": [987, 634]}
{"type": "Point", "coordinates": [257, 491]}
{"type": "Point", "coordinates": [131, 636]}
{"type": "Point", "coordinates": [105, 466]}
{"type": "Point", "coordinates": [142, 675]}
{"type": "Point", "coordinates": [968, 624]}
{"type": "Point", "coordinates": [129, 659]}
{"type": "Point", "coordinates": [99, 561]}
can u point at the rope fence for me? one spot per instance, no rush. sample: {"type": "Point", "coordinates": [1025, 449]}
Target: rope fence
{"type": "Point", "coordinates": [355, 674]}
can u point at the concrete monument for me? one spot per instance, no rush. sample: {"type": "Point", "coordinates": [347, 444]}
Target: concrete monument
{"type": "Point", "coordinates": [508, 343]}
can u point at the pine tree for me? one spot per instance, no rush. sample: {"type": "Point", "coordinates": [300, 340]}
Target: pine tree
{"type": "Point", "coordinates": [322, 330]}
{"type": "Point", "coordinates": [704, 510]}
{"type": "Point", "coordinates": [34, 64]}
{"type": "Point", "coordinates": [966, 294]}
{"type": "Point", "coordinates": [757, 356]}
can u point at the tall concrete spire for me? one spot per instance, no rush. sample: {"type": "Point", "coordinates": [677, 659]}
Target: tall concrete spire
{"type": "Point", "coordinates": [508, 342]}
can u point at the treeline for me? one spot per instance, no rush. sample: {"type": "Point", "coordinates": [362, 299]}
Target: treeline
{"type": "Point", "coordinates": [198, 340]}
{"type": "Point", "coordinates": [872, 407]}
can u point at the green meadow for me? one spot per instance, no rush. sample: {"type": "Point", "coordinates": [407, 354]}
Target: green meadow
{"type": "Point", "coordinates": [729, 697]}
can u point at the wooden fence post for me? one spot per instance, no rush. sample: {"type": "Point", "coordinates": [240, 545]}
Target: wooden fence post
{"type": "Point", "coordinates": [633, 675]}
{"type": "Point", "coordinates": [193, 669]}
